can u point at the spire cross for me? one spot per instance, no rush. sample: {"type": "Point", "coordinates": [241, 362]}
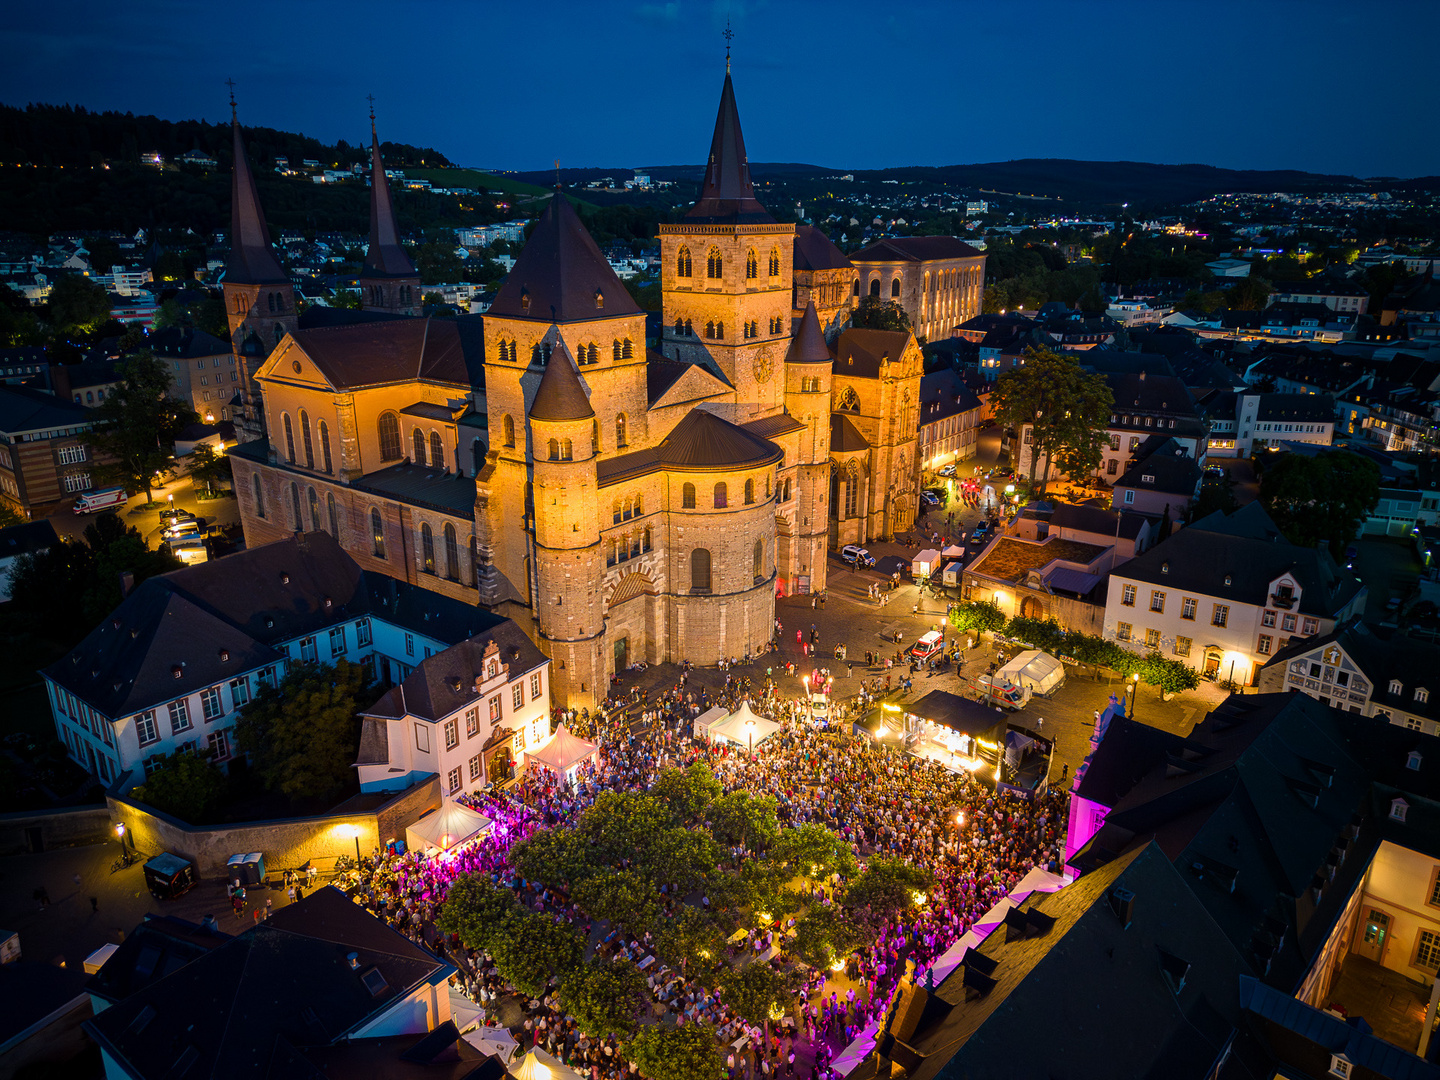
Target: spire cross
{"type": "Point", "coordinates": [371, 98]}
{"type": "Point", "coordinates": [231, 84]}
{"type": "Point", "coordinates": [728, 35]}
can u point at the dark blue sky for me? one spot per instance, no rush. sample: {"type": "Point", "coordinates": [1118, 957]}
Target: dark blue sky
{"type": "Point", "coordinates": [1321, 85]}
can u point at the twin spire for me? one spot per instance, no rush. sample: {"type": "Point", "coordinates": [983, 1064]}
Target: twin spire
{"type": "Point", "coordinates": [727, 196]}
{"type": "Point", "coordinates": [253, 261]}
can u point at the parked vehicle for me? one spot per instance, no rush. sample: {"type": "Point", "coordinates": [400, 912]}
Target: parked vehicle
{"type": "Point", "coordinates": [940, 495]}
{"type": "Point", "coordinates": [928, 646]}
{"type": "Point", "coordinates": [948, 470]}
{"type": "Point", "coordinates": [856, 556]}
{"type": "Point", "coordinates": [168, 876]}
{"type": "Point", "coordinates": [93, 501]}
{"type": "Point", "coordinates": [993, 690]}
{"type": "Point", "coordinates": [929, 500]}
{"type": "Point", "coordinates": [185, 530]}
{"type": "Point", "coordinates": [174, 515]}
{"type": "Point", "coordinates": [981, 533]}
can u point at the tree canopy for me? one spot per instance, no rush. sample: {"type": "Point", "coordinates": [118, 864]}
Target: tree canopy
{"type": "Point", "coordinates": [1066, 409]}
{"type": "Point", "coordinates": [875, 313]}
{"type": "Point", "coordinates": [1320, 499]}
{"type": "Point", "coordinates": [187, 784]}
{"type": "Point", "coordinates": [138, 423]}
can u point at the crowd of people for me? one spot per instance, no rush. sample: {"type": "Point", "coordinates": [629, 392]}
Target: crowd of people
{"type": "Point", "coordinates": [975, 843]}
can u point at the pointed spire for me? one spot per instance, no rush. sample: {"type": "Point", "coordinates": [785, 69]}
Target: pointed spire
{"type": "Point", "coordinates": [808, 345]}
{"type": "Point", "coordinates": [385, 256]}
{"type": "Point", "coordinates": [727, 194]}
{"type": "Point", "coordinates": [561, 395]}
{"type": "Point", "coordinates": [560, 275]}
{"type": "Point", "coordinates": [252, 260]}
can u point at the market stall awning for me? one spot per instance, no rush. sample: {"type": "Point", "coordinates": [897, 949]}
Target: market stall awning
{"type": "Point", "coordinates": [445, 828]}
{"type": "Point", "coordinates": [465, 1013]}
{"type": "Point", "coordinates": [737, 727]}
{"type": "Point", "coordinates": [563, 751]}
{"type": "Point", "coordinates": [493, 1040]}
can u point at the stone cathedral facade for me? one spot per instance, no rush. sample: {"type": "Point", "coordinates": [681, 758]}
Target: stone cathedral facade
{"type": "Point", "coordinates": [622, 503]}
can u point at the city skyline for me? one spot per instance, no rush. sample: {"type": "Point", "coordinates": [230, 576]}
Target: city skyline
{"type": "Point", "coordinates": [939, 85]}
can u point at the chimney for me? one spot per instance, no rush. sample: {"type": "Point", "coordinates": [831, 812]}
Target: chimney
{"type": "Point", "coordinates": [353, 959]}
{"type": "Point", "coordinates": [1122, 902]}
{"type": "Point", "coordinates": [127, 582]}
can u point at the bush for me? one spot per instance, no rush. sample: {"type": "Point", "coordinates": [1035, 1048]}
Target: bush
{"type": "Point", "coordinates": [186, 784]}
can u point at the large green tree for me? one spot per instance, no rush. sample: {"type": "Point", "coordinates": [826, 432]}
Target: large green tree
{"type": "Point", "coordinates": [977, 617]}
{"type": "Point", "coordinates": [756, 991]}
{"type": "Point", "coordinates": [885, 888]}
{"type": "Point", "coordinates": [683, 1053]}
{"type": "Point", "coordinates": [187, 784]}
{"type": "Point", "coordinates": [137, 425]}
{"type": "Point", "coordinates": [620, 897]}
{"type": "Point", "coordinates": [686, 792]}
{"type": "Point", "coordinates": [474, 909]}
{"type": "Point", "coordinates": [1065, 409]}
{"type": "Point", "coordinates": [1320, 499]}
{"type": "Point", "coordinates": [743, 818]}
{"type": "Point", "coordinates": [303, 734]}
{"type": "Point", "coordinates": [77, 305]}
{"type": "Point", "coordinates": [1167, 675]}
{"type": "Point", "coordinates": [604, 998]}
{"type": "Point", "coordinates": [873, 313]}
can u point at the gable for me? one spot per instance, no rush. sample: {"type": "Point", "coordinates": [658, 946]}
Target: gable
{"type": "Point", "coordinates": [290, 364]}
{"type": "Point", "coordinates": [695, 384]}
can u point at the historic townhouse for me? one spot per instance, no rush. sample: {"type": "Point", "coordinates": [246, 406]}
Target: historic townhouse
{"type": "Point", "coordinates": [1226, 594]}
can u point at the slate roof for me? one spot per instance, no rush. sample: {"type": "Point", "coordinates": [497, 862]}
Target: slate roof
{"type": "Point", "coordinates": [943, 394]}
{"type": "Point", "coordinates": [1414, 663]}
{"type": "Point", "coordinates": [560, 395]}
{"type": "Point", "coordinates": [23, 539]}
{"type": "Point", "coordinates": [999, 1013]}
{"type": "Point", "coordinates": [423, 485]}
{"type": "Point", "coordinates": [221, 618]}
{"type": "Point", "coordinates": [385, 257]}
{"type": "Point", "coordinates": [285, 982]}
{"type": "Point", "coordinates": [699, 443]}
{"type": "Point", "coordinates": [1168, 469]}
{"type": "Point", "coordinates": [916, 249]}
{"type": "Point", "coordinates": [859, 352]}
{"type": "Point", "coordinates": [377, 353]}
{"type": "Point", "coordinates": [437, 1055]}
{"type": "Point", "coordinates": [186, 342]}
{"type": "Point", "coordinates": [769, 427]}
{"type": "Point", "coordinates": [1295, 408]}
{"type": "Point", "coordinates": [661, 374]}
{"type": "Point", "coordinates": [1248, 550]}
{"type": "Point", "coordinates": [559, 272]}
{"type": "Point", "coordinates": [808, 345]}
{"type": "Point", "coordinates": [23, 409]}
{"type": "Point", "coordinates": [252, 260]}
{"type": "Point", "coordinates": [159, 946]}
{"type": "Point", "coordinates": [1093, 519]}
{"type": "Point", "coordinates": [445, 682]}
{"type": "Point", "coordinates": [726, 195]}
{"type": "Point", "coordinates": [845, 436]}
{"type": "Point", "coordinates": [816, 251]}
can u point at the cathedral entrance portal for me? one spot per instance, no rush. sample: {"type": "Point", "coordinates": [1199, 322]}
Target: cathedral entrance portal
{"type": "Point", "coordinates": [622, 652]}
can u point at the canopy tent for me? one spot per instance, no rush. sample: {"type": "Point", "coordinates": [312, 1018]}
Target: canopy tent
{"type": "Point", "coordinates": [563, 751]}
{"type": "Point", "coordinates": [492, 1040]}
{"type": "Point", "coordinates": [464, 1012]}
{"type": "Point", "coordinates": [538, 1065]}
{"type": "Point", "coordinates": [737, 727]}
{"type": "Point", "coordinates": [850, 1058]}
{"type": "Point", "coordinates": [954, 551]}
{"type": "Point", "coordinates": [1041, 672]}
{"type": "Point", "coordinates": [445, 828]}
{"type": "Point", "coordinates": [712, 715]}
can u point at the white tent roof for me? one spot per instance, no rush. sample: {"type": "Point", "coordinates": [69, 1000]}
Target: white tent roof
{"type": "Point", "coordinates": [528, 1068]}
{"type": "Point", "coordinates": [953, 550]}
{"type": "Point", "coordinates": [464, 1012]}
{"type": "Point", "coordinates": [712, 715]}
{"type": "Point", "coordinates": [493, 1040]}
{"type": "Point", "coordinates": [451, 825]}
{"type": "Point", "coordinates": [735, 727]}
{"type": "Point", "coordinates": [927, 557]}
{"type": "Point", "coordinates": [562, 751]}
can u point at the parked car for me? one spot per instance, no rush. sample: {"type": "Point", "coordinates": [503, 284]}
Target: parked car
{"type": "Point", "coordinates": [186, 530]}
{"type": "Point", "coordinates": [981, 533]}
{"type": "Point", "coordinates": [948, 470]}
{"type": "Point", "coordinates": [927, 499]}
{"type": "Point", "coordinates": [940, 494]}
{"type": "Point", "coordinates": [174, 515]}
{"type": "Point", "coordinates": [856, 556]}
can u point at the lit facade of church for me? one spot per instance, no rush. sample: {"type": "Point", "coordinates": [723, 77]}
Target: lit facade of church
{"type": "Point", "coordinates": [620, 503]}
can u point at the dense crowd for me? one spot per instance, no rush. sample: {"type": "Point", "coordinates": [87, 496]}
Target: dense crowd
{"type": "Point", "coordinates": [976, 844]}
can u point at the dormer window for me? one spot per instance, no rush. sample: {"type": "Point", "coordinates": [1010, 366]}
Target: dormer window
{"type": "Point", "coordinates": [1412, 761]}
{"type": "Point", "coordinates": [1422, 695]}
{"type": "Point", "coordinates": [491, 670]}
{"type": "Point", "coordinates": [1396, 688]}
{"type": "Point", "coordinates": [1398, 809]}
{"type": "Point", "coordinates": [599, 299]}
{"type": "Point", "coordinates": [1340, 1066]}
{"type": "Point", "coordinates": [524, 302]}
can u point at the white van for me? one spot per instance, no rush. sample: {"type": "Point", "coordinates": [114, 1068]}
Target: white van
{"type": "Point", "coordinates": [104, 499]}
{"type": "Point", "coordinates": [184, 530]}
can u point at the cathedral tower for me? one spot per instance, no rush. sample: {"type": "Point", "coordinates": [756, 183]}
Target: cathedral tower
{"type": "Point", "coordinates": [388, 280]}
{"type": "Point", "coordinates": [726, 276]}
{"type": "Point", "coordinates": [805, 533]}
{"type": "Point", "coordinates": [259, 300]}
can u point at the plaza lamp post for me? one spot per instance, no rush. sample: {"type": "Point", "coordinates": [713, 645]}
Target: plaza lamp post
{"type": "Point", "coordinates": [120, 835]}
{"type": "Point", "coordinates": [1134, 689]}
{"type": "Point", "coordinates": [750, 733]}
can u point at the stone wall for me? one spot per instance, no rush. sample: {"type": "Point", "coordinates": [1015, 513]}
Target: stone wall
{"type": "Point", "coordinates": [56, 828]}
{"type": "Point", "coordinates": [286, 842]}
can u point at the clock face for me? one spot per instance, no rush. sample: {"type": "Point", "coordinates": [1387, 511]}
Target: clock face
{"type": "Point", "coordinates": [764, 365]}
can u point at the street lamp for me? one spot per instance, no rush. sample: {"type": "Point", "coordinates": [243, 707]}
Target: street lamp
{"type": "Point", "coordinates": [120, 835]}
{"type": "Point", "coordinates": [355, 835]}
{"type": "Point", "coordinates": [1134, 691]}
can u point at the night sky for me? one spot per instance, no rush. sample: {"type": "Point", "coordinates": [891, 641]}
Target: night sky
{"type": "Point", "coordinates": [1321, 85]}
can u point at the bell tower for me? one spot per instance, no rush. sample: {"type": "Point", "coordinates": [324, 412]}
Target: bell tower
{"type": "Point", "coordinates": [725, 275]}
{"type": "Point", "coordinates": [388, 280]}
{"type": "Point", "coordinates": [259, 299]}
{"type": "Point", "coordinates": [808, 368]}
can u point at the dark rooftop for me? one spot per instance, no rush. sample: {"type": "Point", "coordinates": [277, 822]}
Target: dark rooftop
{"type": "Point", "coordinates": [916, 249]}
{"type": "Point", "coordinates": [816, 251]}
{"type": "Point", "coordinates": [561, 396]}
{"type": "Point", "coordinates": [727, 196]}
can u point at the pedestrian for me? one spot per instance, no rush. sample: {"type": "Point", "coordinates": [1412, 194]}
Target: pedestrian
{"type": "Point", "coordinates": [1040, 723]}
{"type": "Point", "coordinates": [290, 892]}
{"type": "Point", "coordinates": [268, 902]}
{"type": "Point", "coordinates": [94, 905]}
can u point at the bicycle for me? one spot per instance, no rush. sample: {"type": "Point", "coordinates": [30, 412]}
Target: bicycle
{"type": "Point", "coordinates": [122, 863]}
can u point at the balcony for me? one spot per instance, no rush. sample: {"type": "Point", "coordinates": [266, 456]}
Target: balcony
{"type": "Point", "coordinates": [1282, 600]}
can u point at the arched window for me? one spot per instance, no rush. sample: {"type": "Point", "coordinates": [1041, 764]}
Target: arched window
{"type": "Point", "coordinates": [567, 451]}
{"type": "Point", "coordinates": [710, 330]}
{"type": "Point", "coordinates": [305, 439]}
{"type": "Point", "coordinates": [639, 506]}
{"type": "Point", "coordinates": [377, 533]}
{"type": "Point", "coordinates": [787, 491]}
{"type": "Point", "coordinates": [620, 439]}
{"type": "Point", "coordinates": [855, 291]}
{"type": "Point", "coordinates": [593, 354]}
{"type": "Point", "coordinates": [689, 329]}
{"type": "Point", "coordinates": [271, 298]}
{"type": "Point", "coordinates": [687, 497]}
{"type": "Point", "coordinates": [682, 262]}
{"type": "Point", "coordinates": [628, 511]}
{"type": "Point", "coordinates": [616, 512]}
{"type": "Point", "coordinates": [437, 450]}
{"type": "Point", "coordinates": [849, 400]}
{"type": "Point", "coordinates": [645, 539]}
{"type": "Point", "coordinates": [875, 287]}
{"type": "Point", "coordinates": [594, 436]}
{"type": "Point", "coordinates": [852, 489]}
{"type": "Point", "coordinates": [700, 570]}
{"type": "Point", "coordinates": [325, 447]}
{"type": "Point", "coordinates": [752, 266]}
{"type": "Point", "coordinates": [774, 262]}
{"type": "Point", "coordinates": [679, 327]}
{"type": "Point", "coordinates": [749, 492]}
{"type": "Point", "coordinates": [417, 437]}
{"type": "Point", "coordinates": [721, 500]}
{"type": "Point", "coordinates": [427, 548]}
{"type": "Point", "coordinates": [759, 559]}
{"type": "Point", "coordinates": [279, 333]}
{"type": "Point", "coordinates": [474, 563]}
{"type": "Point", "coordinates": [895, 287]}
{"type": "Point", "coordinates": [389, 428]}
{"type": "Point", "coordinates": [452, 553]}
{"type": "Point", "coordinates": [719, 331]}
{"type": "Point", "coordinates": [554, 448]}
{"type": "Point", "coordinates": [507, 426]}
{"type": "Point", "coordinates": [295, 506]}
{"type": "Point", "coordinates": [714, 265]}
{"type": "Point", "coordinates": [314, 501]}
{"type": "Point", "coordinates": [259, 495]}
{"type": "Point", "coordinates": [627, 350]}
{"type": "Point", "coordinates": [289, 437]}
{"type": "Point", "coordinates": [332, 513]}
